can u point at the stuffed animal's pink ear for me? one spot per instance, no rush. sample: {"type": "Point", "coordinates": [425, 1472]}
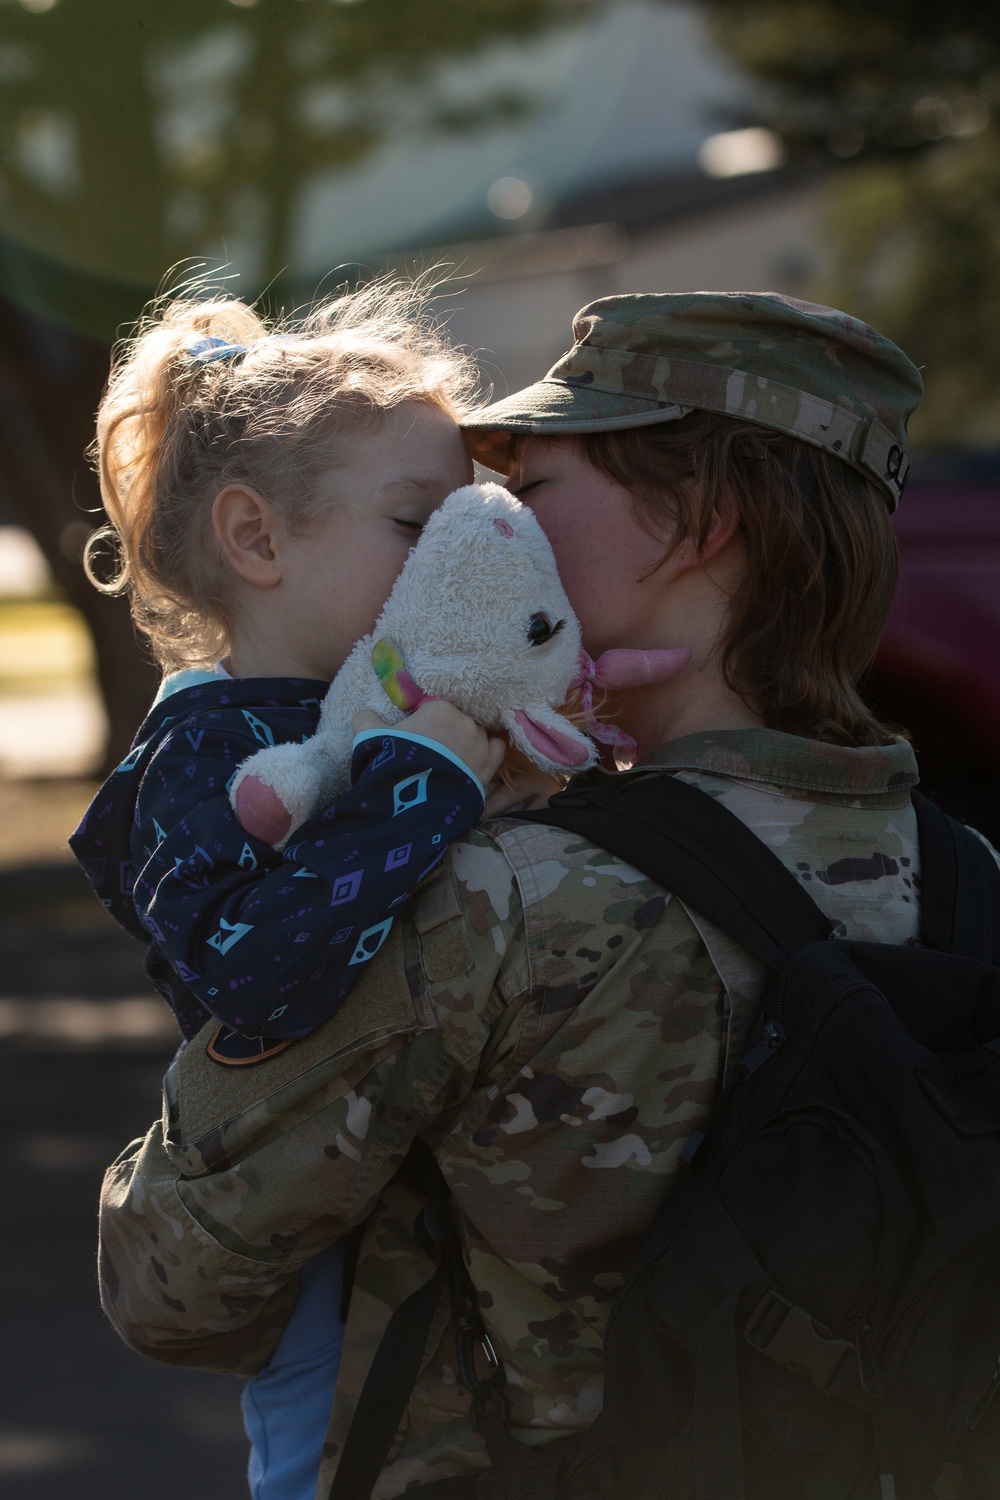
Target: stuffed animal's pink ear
{"type": "Point", "coordinates": [628, 668]}
{"type": "Point", "coordinates": [548, 739]}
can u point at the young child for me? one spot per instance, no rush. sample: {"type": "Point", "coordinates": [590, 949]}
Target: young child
{"type": "Point", "coordinates": [264, 488]}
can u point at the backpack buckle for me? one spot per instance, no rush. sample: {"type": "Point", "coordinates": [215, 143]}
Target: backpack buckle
{"type": "Point", "coordinates": [789, 1336]}
{"type": "Point", "coordinates": [471, 1337]}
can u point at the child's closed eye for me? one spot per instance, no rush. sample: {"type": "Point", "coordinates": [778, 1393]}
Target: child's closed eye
{"type": "Point", "coordinates": [414, 527]}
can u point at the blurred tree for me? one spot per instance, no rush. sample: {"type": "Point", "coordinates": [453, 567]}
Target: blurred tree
{"type": "Point", "coordinates": [134, 134]}
{"type": "Point", "coordinates": [908, 92]}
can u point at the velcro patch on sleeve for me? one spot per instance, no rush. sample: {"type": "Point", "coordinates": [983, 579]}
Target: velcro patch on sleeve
{"type": "Point", "coordinates": [445, 950]}
{"type": "Point", "coordinates": [203, 1098]}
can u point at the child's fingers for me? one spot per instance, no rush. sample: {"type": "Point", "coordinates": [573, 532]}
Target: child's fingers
{"type": "Point", "coordinates": [531, 791]}
{"type": "Point", "coordinates": [500, 798]}
{"type": "Point", "coordinates": [437, 719]}
{"type": "Point", "coordinates": [496, 749]}
{"type": "Point", "coordinates": [367, 719]}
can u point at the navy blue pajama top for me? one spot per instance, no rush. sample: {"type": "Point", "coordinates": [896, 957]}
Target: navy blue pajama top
{"type": "Point", "coordinates": [268, 943]}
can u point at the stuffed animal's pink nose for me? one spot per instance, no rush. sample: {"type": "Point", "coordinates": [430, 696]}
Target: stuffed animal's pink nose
{"type": "Point", "coordinates": [261, 811]}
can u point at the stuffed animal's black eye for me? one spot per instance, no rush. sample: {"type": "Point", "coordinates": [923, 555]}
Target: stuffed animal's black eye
{"type": "Point", "coordinates": [541, 629]}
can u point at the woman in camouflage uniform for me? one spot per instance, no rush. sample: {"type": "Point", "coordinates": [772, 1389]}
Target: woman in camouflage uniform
{"type": "Point", "coordinates": [714, 471]}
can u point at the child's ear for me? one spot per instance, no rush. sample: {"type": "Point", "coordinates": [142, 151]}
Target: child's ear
{"type": "Point", "coordinates": [247, 530]}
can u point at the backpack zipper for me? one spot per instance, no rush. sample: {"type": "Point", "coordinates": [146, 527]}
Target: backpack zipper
{"type": "Point", "coordinates": [653, 1254]}
{"type": "Point", "coordinates": [776, 1038]}
{"type": "Point", "coordinates": [951, 1475]}
{"type": "Point", "coordinates": [944, 1273]}
{"type": "Point", "coordinates": [637, 1271]}
{"type": "Point", "coordinates": [806, 1040]}
{"type": "Point", "coordinates": [773, 1038]}
{"type": "Point", "coordinates": [985, 1399]}
{"type": "Point", "coordinates": [656, 1487]}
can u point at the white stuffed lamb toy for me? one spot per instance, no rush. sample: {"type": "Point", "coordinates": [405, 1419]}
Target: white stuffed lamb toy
{"type": "Point", "coordinates": [478, 616]}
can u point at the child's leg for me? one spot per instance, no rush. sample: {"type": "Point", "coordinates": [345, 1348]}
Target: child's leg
{"type": "Point", "coordinates": [286, 1408]}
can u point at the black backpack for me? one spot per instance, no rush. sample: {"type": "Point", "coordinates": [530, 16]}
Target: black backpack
{"type": "Point", "coordinates": [815, 1312]}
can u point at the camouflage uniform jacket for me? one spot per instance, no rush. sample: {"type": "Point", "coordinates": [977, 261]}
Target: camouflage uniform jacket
{"type": "Point", "coordinates": [555, 1026]}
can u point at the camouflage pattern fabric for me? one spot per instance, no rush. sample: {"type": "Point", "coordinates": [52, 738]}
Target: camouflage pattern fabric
{"type": "Point", "coordinates": [809, 371]}
{"type": "Point", "coordinates": [556, 1027]}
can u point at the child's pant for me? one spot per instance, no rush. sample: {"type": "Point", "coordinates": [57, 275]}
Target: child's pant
{"type": "Point", "coordinates": [286, 1408]}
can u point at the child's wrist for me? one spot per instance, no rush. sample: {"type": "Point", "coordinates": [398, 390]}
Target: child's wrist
{"type": "Point", "coordinates": [436, 746]}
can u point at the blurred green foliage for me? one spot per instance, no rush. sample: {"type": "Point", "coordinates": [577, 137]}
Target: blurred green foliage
{"type": "Point", "coordinates": [908, 93]}
{"type": "Point", "coordinates": [917, 251]}
{"type": "Point", "coordinates": [134, 133]}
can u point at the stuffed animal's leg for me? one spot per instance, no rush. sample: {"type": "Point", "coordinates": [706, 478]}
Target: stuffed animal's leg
{"type": "Point", "coordinates": [279, 788]}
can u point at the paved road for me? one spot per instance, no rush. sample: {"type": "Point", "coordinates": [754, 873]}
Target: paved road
{"type": "Point", "coordinates": [81, 1417]}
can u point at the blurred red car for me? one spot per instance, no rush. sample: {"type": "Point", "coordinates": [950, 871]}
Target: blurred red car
{"type": "Point", "coordinates": [937, 673]}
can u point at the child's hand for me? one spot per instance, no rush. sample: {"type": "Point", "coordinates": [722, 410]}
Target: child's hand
{"type": "Point", "coordinates": [442, 721]}
{"type": "Point", "coordinates": [528, 793]}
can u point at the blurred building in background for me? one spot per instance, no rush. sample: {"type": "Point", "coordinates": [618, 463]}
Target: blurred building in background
{"type": "Point", "coordinates": [676, 233]}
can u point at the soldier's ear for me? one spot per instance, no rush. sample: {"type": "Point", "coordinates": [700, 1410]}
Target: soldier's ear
{"type": "Point", "coordinates": [723, 523]}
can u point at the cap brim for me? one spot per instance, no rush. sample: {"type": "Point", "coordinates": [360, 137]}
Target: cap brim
{"type": "Point", "coordinates": [553, 408]}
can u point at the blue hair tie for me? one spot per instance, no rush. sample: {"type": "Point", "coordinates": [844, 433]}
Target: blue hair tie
{"type": "Point", "coordinates": [204, 351]}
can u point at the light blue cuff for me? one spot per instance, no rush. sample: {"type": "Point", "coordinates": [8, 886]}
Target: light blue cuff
{"type": "Point", "coordinates": [419, 739]}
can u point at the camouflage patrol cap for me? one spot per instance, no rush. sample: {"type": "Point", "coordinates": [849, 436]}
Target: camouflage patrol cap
{"type": "Point", "coordinates": [809, 371]}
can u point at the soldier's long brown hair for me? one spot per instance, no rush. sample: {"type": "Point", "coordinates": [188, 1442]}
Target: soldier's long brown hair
{"type": "Point", "coordinates": [822, 562]}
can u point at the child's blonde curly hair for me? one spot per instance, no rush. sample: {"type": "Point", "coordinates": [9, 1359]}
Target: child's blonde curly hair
{"type": "Point", "coordinates": [183, 417]}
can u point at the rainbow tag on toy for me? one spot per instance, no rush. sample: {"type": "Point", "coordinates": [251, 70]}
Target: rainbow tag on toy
{"type": "Point", "coordinates": [390, 669]}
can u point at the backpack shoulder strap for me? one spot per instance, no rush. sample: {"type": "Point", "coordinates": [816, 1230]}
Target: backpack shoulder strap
{"type": "Point", "coordinates": [695, 848]}
{"type": "Point", "coordinates": [959, 887]}
{"type": "Point", "coordinates": [396, 1367]}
